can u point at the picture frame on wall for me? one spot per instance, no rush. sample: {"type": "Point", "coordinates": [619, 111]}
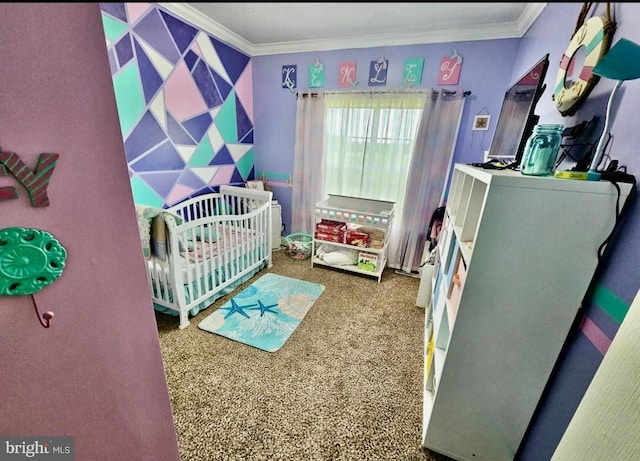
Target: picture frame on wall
{"type": "Point", "coordinates": [481, 122]}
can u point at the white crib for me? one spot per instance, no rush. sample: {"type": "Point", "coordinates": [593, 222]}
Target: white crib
{"type": "Point", "coordinates": [223, 240]}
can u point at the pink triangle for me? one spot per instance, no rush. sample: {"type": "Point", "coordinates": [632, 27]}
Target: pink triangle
{"type": "Point", "coordinates": [178, 193]}
{"type": "Point", "coordinates": [195, 47]}
{"type": "Point", "coordinates": [223, 175]}
{"type": "Point", "coordinates": [182, 96]}
{"type": "Point", "coordinates": [244, 91]}
{"type": "Point", "coordinates": [137, 10]}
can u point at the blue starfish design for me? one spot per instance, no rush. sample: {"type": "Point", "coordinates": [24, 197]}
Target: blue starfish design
{"type": "Point", "coordinates": [264, 308]}
{"type": "Point", "coordinates": [235, 308]}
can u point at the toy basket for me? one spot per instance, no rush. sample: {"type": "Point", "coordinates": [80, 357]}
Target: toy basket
{"type": "Point", "coordinates": [300, 245]}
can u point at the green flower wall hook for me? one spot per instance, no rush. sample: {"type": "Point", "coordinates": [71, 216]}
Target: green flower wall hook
{"type": "Point", "coordinates": [30, 259]}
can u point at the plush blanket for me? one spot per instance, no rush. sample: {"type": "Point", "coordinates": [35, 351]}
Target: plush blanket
{"type": "Point", "coordinates": [153, 232]}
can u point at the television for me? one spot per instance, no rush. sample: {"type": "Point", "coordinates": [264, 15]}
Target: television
{"type": "Point", "coordinates": [517, 119]}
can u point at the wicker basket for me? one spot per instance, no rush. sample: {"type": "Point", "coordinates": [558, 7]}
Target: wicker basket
{"type": "Point", "coordinates": [300, 245]}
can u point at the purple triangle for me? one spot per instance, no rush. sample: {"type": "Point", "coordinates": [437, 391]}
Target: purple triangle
{"type": "Point", "coordinates": [182, 33]}
{"type": "Point", "coordinates": [146, 134]}
{"type": "Point", "coordinates": [206, 85]}
{"type": "Point", "coordinates": [234, 61]}
{"type": "Point", "coordinates": [190, 59]}
{"type": "Point", "coordinates": [223, 157]}
{"type": "Point", "coordinates": [124, 50]}
{"type": "Point", "coordinates": [162, 183]}
{"type": "Point", "coordinates": [152, 30]}
{"type": "Point", "coordinates": [151, 79]}
{"type": "Point", "coordinates": [237, 178]}
{"type": "Point", "coordinates": [190, 179]}
{"type": "Point", "coordinates": [177, 134]}
{"type": "Point", "coordinates": [117, 10]}
{"type": "Point", "coordinates": [198, 126]}
{"type": "Point", "coordinates": [164, 157]}
{"type": "Point", "coordinates": [243, 123]}
{"type": "Point", "coordinates": [223, 87]}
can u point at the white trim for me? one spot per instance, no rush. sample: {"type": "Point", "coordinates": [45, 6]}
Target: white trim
{"type": "Point", "coordinates": [190, 14]}
{"type": "Point", "coordinates": [529, 15]}
{"type": "Point", "coordinates": [511, 30]}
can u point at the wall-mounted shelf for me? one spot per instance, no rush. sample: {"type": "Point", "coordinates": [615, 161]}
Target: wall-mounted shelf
{"type": "Point", "coordinates": [275, 179]}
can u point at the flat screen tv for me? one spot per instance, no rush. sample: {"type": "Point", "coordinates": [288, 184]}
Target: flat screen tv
{"type": "Point", "coordinates": [517, 119]}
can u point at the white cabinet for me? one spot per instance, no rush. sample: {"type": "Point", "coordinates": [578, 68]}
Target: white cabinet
{"type": "Point", "coordinates": [515, 257]}
{"type": "Point", "coordinates": [354, 219]}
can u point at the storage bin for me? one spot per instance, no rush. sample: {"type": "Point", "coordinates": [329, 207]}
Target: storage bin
{"type": "Point", "coordinates": [300, 245]}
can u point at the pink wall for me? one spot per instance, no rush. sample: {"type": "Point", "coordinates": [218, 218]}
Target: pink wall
{"type": "Point", "coordinates": [97, 373]}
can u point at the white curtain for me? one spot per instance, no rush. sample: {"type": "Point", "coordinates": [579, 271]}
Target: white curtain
{"type": "Point", "coordinates": [428, 174]}
{"type": "Point", "coordinates": [307, 186]}
{"type": "Point", "coordinates": [369, 139]}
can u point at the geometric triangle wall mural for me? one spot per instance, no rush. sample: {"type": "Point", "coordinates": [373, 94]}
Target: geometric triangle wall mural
{"type": "Point", "coordinates": [184, 84]}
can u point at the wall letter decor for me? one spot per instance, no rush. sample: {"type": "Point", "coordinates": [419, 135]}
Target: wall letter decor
{"type": "Point", "coordinates": [347, 74]}
{"type": "Point", "coordinates": [7, 193]}
{"type": "Point", "coordinates": [378, 72]}
{"type": "Point", "coordinates": [36, 183]}
{"type": "Point", "coordinates": [412, 72]}
{"type": "Point", "coordinates": [316, 74]}
{"type": "Point", "coordinates": [289, 77]}
{"type": "Point", "coordinates": [450, 69]}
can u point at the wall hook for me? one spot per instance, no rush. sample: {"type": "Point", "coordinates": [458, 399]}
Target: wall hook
{"type": "Point", "coordinates": [45, 319]}
{"type": "Point", "coordinates": [31, 260]}
{"type": "Point", "coordinates": [407, 84]}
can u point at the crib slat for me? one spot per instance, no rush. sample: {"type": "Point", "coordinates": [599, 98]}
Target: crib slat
{"type": "Point", "coordinates": [230, 234]}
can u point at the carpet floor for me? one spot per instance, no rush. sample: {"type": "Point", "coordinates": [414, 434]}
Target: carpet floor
{"type": "Point", "coordinates": [347, 385]}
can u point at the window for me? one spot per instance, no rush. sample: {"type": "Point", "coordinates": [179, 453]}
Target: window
{"type": "Point", "coordinates": [369, 141]}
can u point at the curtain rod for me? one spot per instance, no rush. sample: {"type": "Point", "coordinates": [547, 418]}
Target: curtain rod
{"type": "Point", "coordinates": [307, 93]}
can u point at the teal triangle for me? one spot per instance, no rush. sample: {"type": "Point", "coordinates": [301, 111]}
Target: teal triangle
{"type": "Point", "coordinates": [143, 194]}
{"type": "Point", "coordinates": [113, 29]}
{"type": "Point", "coordinates": [245, 164]}
{"type": "Point", "coordinates": [203, 153]}
{"type": "Point", "coordinates": [226, 120]}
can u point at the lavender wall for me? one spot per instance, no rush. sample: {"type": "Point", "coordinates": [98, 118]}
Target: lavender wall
{"type": "Point", "coordinates": [618, 280]}
{"type": "Point", "coordinates": [486, 72]}
{"type": "Point", "coordinates": [97, 373]}
{"type": "Point", "coordinates": [488, 69]}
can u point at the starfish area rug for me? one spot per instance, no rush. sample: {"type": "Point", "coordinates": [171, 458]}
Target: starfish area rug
{"type": "Point", "coordinates": [266, 313]}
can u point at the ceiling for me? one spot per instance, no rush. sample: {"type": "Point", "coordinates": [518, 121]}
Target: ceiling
{"type": "Point", "coordinates": [277, 28]}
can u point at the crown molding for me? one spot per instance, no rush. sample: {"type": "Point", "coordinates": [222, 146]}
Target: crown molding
{"type": "Point", "coordinates": [385, 40]}
{"type": "Point", "coordinates": [529, 15]}
{"type": "Point", "coordinates": [492, 32]}
{"type": "Point", "coordinates": [190, 14]}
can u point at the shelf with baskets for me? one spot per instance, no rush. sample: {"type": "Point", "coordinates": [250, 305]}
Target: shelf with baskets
{"type": "Point", "coordinates": [352, 234]}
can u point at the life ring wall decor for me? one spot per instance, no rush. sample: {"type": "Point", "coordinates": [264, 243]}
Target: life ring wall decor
{"type": "Point", "coordinates": [595, 34]}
